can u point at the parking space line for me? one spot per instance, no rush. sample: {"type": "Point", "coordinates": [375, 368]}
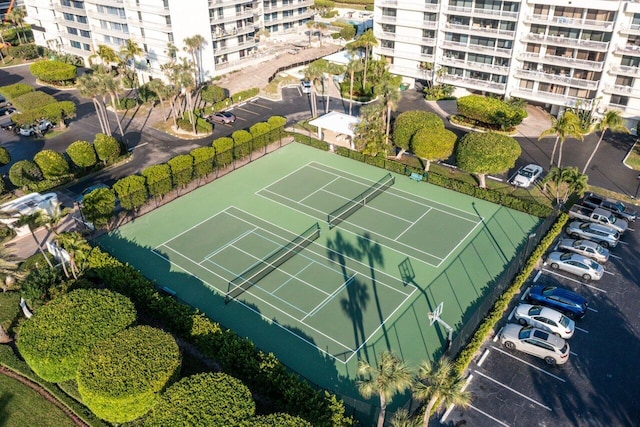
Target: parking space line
{"type": "Point", "coordinates": [582, 330]}
{"type": "Point", "coordinates": [574, 354]}
{"type": "Point", "coordinates": [530, 364]}
{"type": "Point", "coordinates": [495, 339]}
{"type": "Point", "coordinates": [592, 309]}
{"type": "Point", "coordinates": [514, 391]}
{"type": "Point", "coordinates": [537, 276]}
{"type": "Point", "coordinates": [574, 280]}
{"type": "Point", "coordinates": [261, 106]}
{"type": "Point", "coordinates": [484, 356]}
{"type": "Point", "coordinates": [614, 256]}
{"type": "Point", "coordinates": [249, 111]}
{"type": "Point", "coordinates": [450, 408]}
{"type": "Point", "coordinates": [488, 416]}
{"type": "Point", "coordinates": [524, 296]}
{"type": "Point", "coordinates": [621, 242]}
{"type": "Point", "coordinates": [512, 313]}
{"type": "Point", "coordinates": [608, 272]}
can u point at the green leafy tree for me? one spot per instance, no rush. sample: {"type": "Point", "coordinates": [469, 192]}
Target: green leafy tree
{"type": "Point", "coordinates": [122, 377]}
{"type": "Point", "coordinates": [388, 377]}
{"type": "Point", "coordinates": [241, 144]}
{"type": "Point", "coordinates": [11, 92]}
{"type": "Point", "coordinates": [562, 183]}
{"type": "Point", "coordinates": [53, 71]}
{"type": "Point", "coordinates": [354, 66]}
{"type": "Point", "coordinates": [213, 94]}
{"type": "Point", "coordinates": [402, 419]}
{"type": "Point", "coordinates": [612, 121]}
{"type": "Point", "coordinates": [82, 154]}
{"type": "Point", "coordinates": [193, 46]}
{"type": "Point", "coordinates": [129, 51]}
{"type": "Point", "coordinates": [107, 56]}
{"type": "Point", "coordinates": [367, 41]}
{"type": "Point", "coordinates": [203, 161]}
{"type": "Point", "coordinates": [107, 148]}
{"type": "Point", "coordinates": [24, 173]}
{"type": "Point", "coordinates": [89, 86]}
{"type": "Point", "coordinates": [5, 156]}
{"type": "Point", "coordinates": [35, 287]}
{"type": "Point", "coordinates": [158, 178]}
{"type": "Point", "coordinates": [224, 151]}
{"type": "Point", "coordinates": [439, 382]}
{"type": "Point", "coordinates": [433, 144]}
{"type": "Point", "coordinates": [280, 420]}
{"type": "Point", "coordinates": [60, 333]}
{"type": "Point", "coordinates": [16, 16]}
{"type": "Point", "coordinates": [131, 191]}
{"type": "Point", "coordinates": [77, 248]}
{"type": "Point", "coordinates": [33, 222]}
{"type": "Point", "coordinates": [408, 123]}
{"type": "Point", "coordinates": [389, 90]}
{"type": "Point", "coordinates": [259, 133]}
{"type": "Point", "coordinates": [315, 73]}
{"type": "Point", "coordinates": [483, 153]}
{"type": "Point", "coordinates": [208, 399]}
{"type": "Point", "coordinates": [568, 125]}
{"type": "Point", "coordinates": [33, 100]}
{"type": "Point", "coordinates": [163, 91]}
{"type": "Point", "coordinates": [52, 164]}
{"type": "Point", "coordinates": [369, 135]}
{"type": "Point", "coordinates": [98, 206]}
{"type": "Point", "coordinates": [181, 169]}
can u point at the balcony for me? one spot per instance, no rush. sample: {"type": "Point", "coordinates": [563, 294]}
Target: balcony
{"type": "Point", "coordinates": [478, 30]}
{"type": "Point", "coordinates": [233, 32]}
{"type": "Point", "coordinates": [622, 90]}
{"type": "Point", "coordinates": [482, 13]}
{"type": "Point", "coordinates": [420, 41]}
{"type": "Point", "coordinates": [111, 3]}
{"type": "Point", "coordinates": [414, 72]}
{"type": "Point", "coordinates": [630, 29]}
{"type": "Point", "coordinates": [416, 23]}
{"type": "Point", "coordinates": [564, 61]}
{"type": "Point", "coordinates": [496, 51]}
{"type": "Point", "coordinates": [150, 25]}
{"type": "Point", "coordinates": [231, 17]}
{"type": "Point", "coordinates": [290, 18]}
{"type": "Point", "coordinates": [122, 19]}
{"type": "Point", "coordinates": [66, 9]}
{"type": "Point", "coordinates": [567, 42]}
{"type": "Point", "coordinates": [627, 49]}
{"type": "Point", "coordinates": [561, 21]}
{"type": "Point", "coordinates": [472, 65]}
{"type": "Point", "coordinates": [146, 8]}
{"type": "Point", "coordinates": [214, 4]}
{"type": "Point", "coordinates": [553, 98]}
{"type": "Point", "coordinates": [386, 19]}
{"type": "Point", "coordinates": [288, 6]}
{"type": "Point", "coordinates": [233, 48]}
{"type": "Point", "coordinates": [556, 79]}
{"type": "Point", "coordinates": [415, 56]}
{"type": "Point", "coordinates": [477, 84]}
{"type": "Point", "coordinates": [625, 70]}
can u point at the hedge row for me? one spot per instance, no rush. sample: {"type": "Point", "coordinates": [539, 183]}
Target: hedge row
{"type": "Point", "coordinates": [53, 71]}
{"type": "Point", "coordinates": [237, 356]}
{"type": "Point", "coordinates": [491, 112]}
{"type": "Point", "coordinates": [13, 91]}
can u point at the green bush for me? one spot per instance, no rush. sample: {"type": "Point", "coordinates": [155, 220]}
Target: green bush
{"type": "Point", "coordinates": [158, 180]}
{"type": "Point", "coordinates": [53, 71]}
{"type": "Point", "coordinates": [491, 112]}
{"type": "Point", "coordinates": [55, 112]}
{"type": "Point", "coordinates": [5, 156]}
{"type": "Point", "coordinates": [241, 144]}
{"type": "Point", "coordinates": [490, 152]}
{"type": "Point", "coordinates": [127, 103]}
{"type": "Point", "coordinates": [13, 91]}
{"type": "Point", "coordinates": [58, 335]}
{"type": "Point", "coordinates": [131, 191]}
{"type": "Point", "coordinates": [181, 169]}
{"type": "Point", "coordinates": [280, 420]}
{"type": "Point", "coordinates": [213, 94]}
{"type": "Point", "coordinates": [203, 400]}
{"type": "Point", "coordinates": [24, 173]}
{"type": "Point", "coordinates": [26, 51]}
{"type": "Point", "coordinates": [260, 134]}
{"type": "Point", "coordinates": [245, 95]}
{"type": "Point", "coordinates": [98, 206]}
{"type": "Point", "coordinates": [121, 377]}
{"type": "Point", "coordinates": [33, 100]}
{"type": "Point", "coordinates": [52, 164]}
{"type": "Point", "coordinates": [203, 161]}
{"type": "Point", "coordinates": [409, 122]}
{"type": "Point", "coordinates": [107, 148]}
{"type": "Point", "coordinates": [221, 105]}
{"type": "Point", "coordinates": [82, 154]}
{"type": "Point", "coordinates": [147, 94]}
{"type": "Point", "coordinates": [313, 142]}
{"type": "Point", "coordinates": [224, 151]}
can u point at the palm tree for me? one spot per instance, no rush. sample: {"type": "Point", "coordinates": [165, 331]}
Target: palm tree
{"type": "Point", "coordinates": [402, 419]}
{"type": "Point", "coordinates": [107, 56]}
{"type": "Point", "coordinates": [388, 377]}
{"type": "Point", "coordinates": [88, 86]}
{"type": "Point", "coordinates": [129, 52]}
{"type": "Point", "coordinates": [163, 92]}
{"type": "Point", "coordinates": [16, 16]}
{"type": "Point", "coordinates": [33, 221]}
{"type": "Point", "coordinates": [389, 90]}
{"type": "Point", "coordinates": [561, 183]}
{"type": "Point", "coordinates": [77, 248]}
{"type": "Point", "coordinates": [369, 133]}
{"type": "Point", "coordinates": [613, 121]}
{"type": "Point", "coordinates": [354, 66]}
{"type": "Point", "coordinates": [366, 41]}
{"type": "Point", "coordinates": [193, 45]}
{"type": "Point", "coordinates": [568, 125]}
{"type": "Point", "coordinates": [439, 381]}
{"type": "Point", "coordinates": [315, 72]}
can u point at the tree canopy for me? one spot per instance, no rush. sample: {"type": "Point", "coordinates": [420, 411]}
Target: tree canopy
{"type": "Point", "coordinates": [483, 153]}
{"type": "Point", "coordinates": [433, 144]}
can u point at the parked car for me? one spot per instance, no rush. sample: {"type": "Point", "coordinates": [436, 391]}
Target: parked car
{"type": "Point", "coordinates": [576, 264]}
{"type": "Point", "coordinates": [527, 175]}
{"type": "Point", "coordinates": [561, 299]}
{"type": "Point", "coordinates": [5, 111]}
{"type": "Point", "coordinates": [10, 125]}
{"type": "Point", "coordinates": [536, 342]}
{"type": "Point", "coordinates": [545, 318]}
{"type": "Point", "coordinates": [90, 189]}
{"type": "Point", "coordinates": [223, 117]}
{"type": "Point", "coordinates": [305, 86]}
{"type": "Point", "coordinates": [585, 248]}
{"type": "Point", "coordinates": [41, 127]}
{"type": "Point", "coordinates": [617, 207]}
{"type": "Point", "coordinates": [606, 236]}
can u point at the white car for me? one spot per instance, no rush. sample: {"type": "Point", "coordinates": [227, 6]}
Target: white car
{"type": "Point", "coordinates": [576, 264]}
{"type": "Point", "coordinates": [527, 175]}
{"type": "Point", "coordinates": [585, 248]}
{"type": "Point", "coordinates": [41, 127]}
{"type": "Point", "coordinates": [553, 349]}
{"type": "Point", "coordinates": [305, 86]}
{"type": "Point", "coordinates": [545, 318]}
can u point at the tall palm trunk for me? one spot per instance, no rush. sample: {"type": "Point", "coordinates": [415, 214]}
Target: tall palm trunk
{"type": "Point", "coordinates": [39, 245]}
{"type": "Point", "coordinates": [593, 153]}
{"type": "Point", "coordinates": [427, 412]}
{"type": "Point", "coordinates": [553, 152]}
{"type": "Point", "coordinates": [388, 128]}
{"type": "Point", "coordinates": [352, 76]}
{"type": "Point", "coordinates": [560, 156]}
{"type": "Point", "coordinates": [103, 126]}
{"type": "Point", "coordinates": [383, 410]}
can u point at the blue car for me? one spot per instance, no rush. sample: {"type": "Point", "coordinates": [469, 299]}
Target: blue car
{"type": "Point", "coordinates": [561, 299]}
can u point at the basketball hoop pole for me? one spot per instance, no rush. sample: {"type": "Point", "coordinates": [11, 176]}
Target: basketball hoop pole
{"type": "Point", "coordinates": [435, 317]}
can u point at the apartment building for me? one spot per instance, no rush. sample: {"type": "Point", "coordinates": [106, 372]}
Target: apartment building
{"type": "Point", "coordinates": [556, 53]}
{"type": "Point", "coordinates": [229, 27]}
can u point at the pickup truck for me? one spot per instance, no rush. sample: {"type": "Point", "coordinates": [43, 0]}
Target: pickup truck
{"type": "Point", "coordinates": [599, 216]}
{"type": "Point", "coordinates": [593, 200]}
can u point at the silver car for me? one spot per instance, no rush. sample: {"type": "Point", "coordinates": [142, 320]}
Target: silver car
{"type": "Point", "coordinates": [553, 349]}
{"type": "Point", "coordinates": [526, 176]}
{"type": "Point", "coordinates": [606, 236]}
{"type": "Point", "coordinates": [545, 318]}
{"type": "Point", "coordinates": [576, 264]}
{"type": "Point", "coordinates": [585, 248]}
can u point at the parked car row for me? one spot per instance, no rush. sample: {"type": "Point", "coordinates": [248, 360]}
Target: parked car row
{"type": "Point", "coordinates": [37, 128]}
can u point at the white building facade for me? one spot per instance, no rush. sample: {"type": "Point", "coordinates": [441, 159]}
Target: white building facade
{"type": "Point", "coordinates": [556, 53]}
{"type": "Point", "coordinates": [230, 27]}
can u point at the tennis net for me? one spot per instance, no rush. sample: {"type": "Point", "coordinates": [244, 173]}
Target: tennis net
{"type": "Point", "coordinates": [345, 211]}
{"type": "Point", "coordinates": [275, 259]}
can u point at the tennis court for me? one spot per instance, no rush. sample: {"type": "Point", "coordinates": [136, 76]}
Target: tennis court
{"type": "Point", "coordinates": [323, 260]}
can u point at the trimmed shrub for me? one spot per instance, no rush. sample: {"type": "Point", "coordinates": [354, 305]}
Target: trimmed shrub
{"type": "Point", "coordinates": [213, 94]}
{"type": "Point", "coordinates": [98, 206]}
{"type": "Point", "coordinates": [409, 122]}
{"type": "Point", "coordinates": [203, 161]}
{"type": "Point", "coordinates": [53, 71]}
{"type": "Point", "coordinates": [158, 179]}
{"type": "Point", "coordinates": [259, 132]}
{"type": "Point", "coordinates": [491, 112]}
{"type": "Point", "coordinates": [107, 148]}
{"type": "Point", "coordinates": [33, 100]}
{"type": "Point", "coordinates": [433, 144]}
{"type": "Point", "coordinates": [82, 154]}
{"type": "Point", "coordinates": [26, 51]}
{"type": "Point", "coordinates": [277, 122]}
{"type": "Point", "coordinates": [490, 152]}
{"type": "Point", "coordinates": [209, 399]}
{"type": "Point", "coordinates": [224, 151]}
{"type": "Point", "coordinates": [61, 332]}
{"type": "Point", "coordinates": [13, 91]}
{"type": "Point", "coordinates": [181, 169]}
{"type": "Point", "coordinates": [52, 164]}
{"type": "Point", "coordinates": [131, 191]}
{"type": "Point", "coordinates": [5, 156]}
{"type": "Point", "coordinates": [280, 420]}
{"type": "Point", "coordinates": [127, 103]}
{"type": "Point", "coordinates": [241, 144]}
{"type": "Point", "coordinates": [24, 173]}
{"type": "Point", "coordinates": [122, 375]}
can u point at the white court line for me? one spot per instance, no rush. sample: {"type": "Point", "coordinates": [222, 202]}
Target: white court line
{"type": "Point", "coordinates": [291, 278]}
{"type": "Point", "coordinates": [529, 364]}
{"type": "Point", "coordinates": [230, 243]}
{"type": "Point", "coordinates": [191, 228]}
{"type": "Point", "coordinates": [514, 391]}
{"type": "Point", "coordinates": [329, 297]}
{"type": "Point", "coordinates": [367, 205]}
{"type": "Point", "coordinates": [319, 189]}
{"type": "Point", "coordinates": [488, 416]}
{"type": "Point", "coordinates": [574, 280]}
{"type": "Point", "coordinates": [411, 226]}
{"type": "Point", "coordinates": [396, 192]}
{"type": "Point", "coordinates": [288, 175]}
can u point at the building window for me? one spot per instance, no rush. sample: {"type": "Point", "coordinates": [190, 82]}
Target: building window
{"type": "Point", "coordinates": [85, 33]}
{"type": "Point", "coordinates": [68, 16]}
{"type": "Point", "coordinates": [81, 19]}
{"type": "Point", "coordinates": [86, 46]}
{"type": "Point", "coordinates": [75, 44]}
{"type": "Point", "coordinates": [73, 31]}
{"type": "Point", "coordinates": [66, 3]}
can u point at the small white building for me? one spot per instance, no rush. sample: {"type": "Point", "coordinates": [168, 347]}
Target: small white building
{"type": "Point", "coordinates": [26, 205]}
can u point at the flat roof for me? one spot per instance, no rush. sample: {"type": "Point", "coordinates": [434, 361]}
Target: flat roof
{"type": "Point", "coordinates": [336, 122]}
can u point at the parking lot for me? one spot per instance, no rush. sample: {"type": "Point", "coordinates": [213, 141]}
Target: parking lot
{"type": "Point", "coordinates": [598, 386]}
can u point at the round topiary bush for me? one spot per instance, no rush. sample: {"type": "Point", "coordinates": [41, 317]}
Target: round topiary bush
{"type": "Point", "coordinates": [204, 400]}
{"type": "Point", "coordinates": [280, 420]}
{"type": "Point", "coordinates": [59, 334]}
{"type": "Point", "coordinates": [120, 379]}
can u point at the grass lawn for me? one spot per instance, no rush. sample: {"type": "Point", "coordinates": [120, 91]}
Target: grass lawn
{"type": "Point", "coordinates": [633, 160]}
{"type": "Point", "coordinates": [21, 407]}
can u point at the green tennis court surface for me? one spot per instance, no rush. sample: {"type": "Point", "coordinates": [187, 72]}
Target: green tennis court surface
{"type": "Point", "coordinates": [254, 251]}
